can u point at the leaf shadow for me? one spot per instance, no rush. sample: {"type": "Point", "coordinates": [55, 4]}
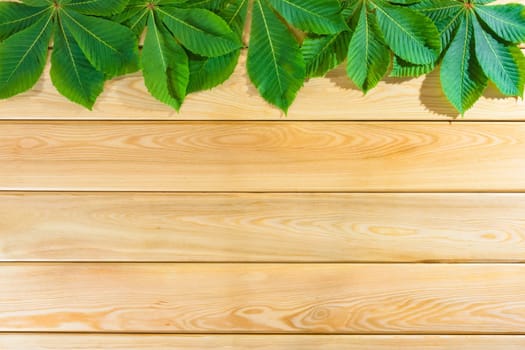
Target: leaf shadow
{"type": "Point", "coordinates": [339, 78]}
{"type": "Point", "coordinates": [432, 97]}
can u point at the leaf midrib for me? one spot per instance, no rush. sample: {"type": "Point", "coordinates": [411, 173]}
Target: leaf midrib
{"type": "Point", "coordinates": [512, 24]}
{"type": "Point", "coordinates": [236, 13]}
{"type": "Point", "coordinates": [181, 21]}
{"type": "Point", "coordinates": [24, 18]}
{"type": "Point", "coordinates": [496, 57]}
{"type": "Point", "coordinates": [157, 39]}
{"type": "Point", "coordinates": [452, 21]}
{"type": "Point", "coordinates": [466, 48]}
{"type": "Point", "coordinates": [266, 27]}
{"type": "Point", "coordinates": [397, 24]}
{"type": "Point", "coordinates": [73, 62]}
{"type": "Point", "coordinates": [144, 13]}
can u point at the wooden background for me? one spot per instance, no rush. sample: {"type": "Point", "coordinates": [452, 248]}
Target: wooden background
{"type": "Point", "coordinates": [360, 223]}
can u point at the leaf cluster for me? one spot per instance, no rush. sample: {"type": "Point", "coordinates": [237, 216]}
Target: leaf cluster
{"type": "Point", "coordinates": [194, 45]}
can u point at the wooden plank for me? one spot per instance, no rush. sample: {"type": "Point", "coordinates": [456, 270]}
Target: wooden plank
{"type": "Point", "coordinates": [269, 298]}
{"type": "Point", "coordinates": [330, 98]}
{"type": "Point", "coordinates": [256, 342]}
{"type": "Point", "coordinates": [262, 227]}
{"type": "Point", "coordinates": [291, 157]}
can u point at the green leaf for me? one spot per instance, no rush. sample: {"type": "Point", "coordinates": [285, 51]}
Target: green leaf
{"type": "Point", "coordinates": [208, 72]}
{"type": "Point", "coordinates": [200, 31]}
{"type": "Point", "coordinates": [213, 5]}
{"type": "Point", "coordinates": [71, 72]}
{"type": "Point", "coordinates": [165, 65]}
{"type": "Point", "coordinates": [322, 54]}
{"type": "Point", "coordinates": [97, 7]}
{"type": "Point", "coordinates": [446, 15]}
{"type": "Point", "coordinates": [235, 15]}
{"type": "Point", "coordinates": [320, 17]}
{"type": "Point", "coordinates": [404, 69]}
{"type": "Point", "coordinates": [110, 47]}
{"type": "Point", "coordinates": [497, 61]}
{"type": "Point", "coordinates": [37, 3]}
{"type": "Point", "coordinates": [438, 9]}
{"type": "Point", "coordinates": [15, 17]}
{"type": "Point", "coordinates": [368, 55]}
{"type": "Point", "coordinates": [411, 35]}
{"type": "Point", "coordinates": [135, 19]}
{"type": "Point", "coordinates": [519, 58]}
{"type": "Point", "coordinates": [507, 21]}
{"type": "Point", "coordinates": [462, 78]}
{"type": "Point", "coordinates": [23, 57]}
{"type": "Point", "coordinates": [482, 2]}
{"type": "Point", "coordinates": [275, 64]}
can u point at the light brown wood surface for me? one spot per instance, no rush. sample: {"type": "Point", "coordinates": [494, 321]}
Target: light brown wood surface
{"type": "Point", "coordinates": [257, 342]}
{"type": "Point", "coordinates": [262, 227]}
{"type": "Point", "coordinates": [229, 156]}
{"type": "Point", "coordinates": [127, 98]}
{"type": "Point", "coordinates": [267, 298]}
{"type": "Point", "coordinates": [378, 222]}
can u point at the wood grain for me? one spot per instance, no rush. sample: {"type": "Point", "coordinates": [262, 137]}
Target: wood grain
{"type": "Point", "coordinates": [262, 227]}
{"type": "Point", "coordinates": [330, 98]}
{"type": "Point", "coordinates": [256, 342]}
{"type": "Point", "coordinates": [258, 156]}
{"type": "Point", "coordinates": [269, 298]}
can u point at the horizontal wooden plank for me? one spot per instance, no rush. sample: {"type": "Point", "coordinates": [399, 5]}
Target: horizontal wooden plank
{"type": "Point", "coordinates": [257, 342]}
{"type": "Point", "coordinates": [262, 227]}
{"type": "Point", "coordinates": [258, 156]}
{"type": "Point", "coordinates": [269, 298]}
{"type": "Point", "coordinates": [330, 98]}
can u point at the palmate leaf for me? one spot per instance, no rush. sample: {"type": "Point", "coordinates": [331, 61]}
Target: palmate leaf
{"type": "Point", "coordinates": [71, 72]}
{"type": "Point", "coordinates": [88, 49]}
{"type": "Point", "coordinates": [275, 64]}
{"type": "Point", "coordinates": [15, 17]}
{"type": "Point", "coordinates": [23, 57]}
{"type": "Point", "coordinates": [462, 78]}
{"type": "Point", "coordinates": [178, 31]}
{"type": "Point", "coordinates": [320, 17]}
{"type": "Point", "coordinates": [164, 65]}
{"type": "Point", "coordinates": [110, 47]}
{"type": "Point", "coordinates": [368, 55]}
{"type": "Point", "coordinates": [376, 29]}
{"type": "Point", "coordinates": [486, 49]}
{"type": "Point", "coordinates": [497, 61]}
